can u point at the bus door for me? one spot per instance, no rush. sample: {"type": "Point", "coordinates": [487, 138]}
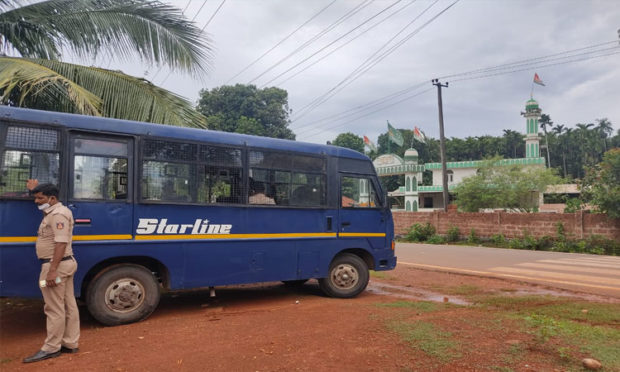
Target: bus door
{"type": "Point", "coordinates": [100, 193]}
{"type": "Point", "coordinates": [362, 216]}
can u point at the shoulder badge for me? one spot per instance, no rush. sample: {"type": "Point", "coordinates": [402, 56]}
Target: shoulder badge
{"type": "Point", "coordinates": [60, 225]}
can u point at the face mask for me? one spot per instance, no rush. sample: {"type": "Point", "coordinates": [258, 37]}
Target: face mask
{"type": "Point", "coordinates": [43, 207]}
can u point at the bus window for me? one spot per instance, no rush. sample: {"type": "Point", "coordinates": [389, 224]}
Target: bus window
{"type": "Point", "coordinates": [358, 192]}
{"type": "Point", "coordinates": [167, 171]}
{"type": "Point", "coordinates": [294, 180]}
{"type": "Point", "coordinates": [28, 153]}
{"type": "Point", "coordinates": [99, 169]}
{"type": "Point", "coordinates": [220, 175]}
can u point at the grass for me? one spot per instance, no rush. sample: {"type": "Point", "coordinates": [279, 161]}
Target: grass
{"type": "Point", "coordinates": [594, 333]}
{"type": "Point", "coordinates": [427, 337]}
{"type": "Point", "coordinates": [419, 306]}
{"type": "Point", "coordinates": [564, 329]}
{"type": "Point", "coordinates": [380, 275]}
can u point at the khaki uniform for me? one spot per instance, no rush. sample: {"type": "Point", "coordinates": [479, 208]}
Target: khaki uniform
{"type": "Point", "coordinates": [63, 319]}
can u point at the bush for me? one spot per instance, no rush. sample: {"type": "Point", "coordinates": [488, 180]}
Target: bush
{"type": "Point", "coordinates": [419, 233]}
{"type": "Point", "coordinates": [472, 238]}
{"type": "Point", "coordinates": [545, 242]}
{"type": "Point", "coordinates": [516, 243]}
{"type": "Point", "coordinates": [453, 234]}
{"type": "Point", "coordinates": [436, 239]}
{"type": "Point", "coordinates": [598, 244]}
{"type": "Point", "coordinates": [572, 206]}
{"type": "Point", "coordinates": [499, 240]}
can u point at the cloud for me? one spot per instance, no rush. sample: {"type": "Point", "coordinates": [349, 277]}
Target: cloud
{"type": "Point", "coordinates": [471, 35]}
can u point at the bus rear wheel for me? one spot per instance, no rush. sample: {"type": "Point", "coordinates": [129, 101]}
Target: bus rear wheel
{"type": "Point", "coordinates": [347, 277]}
{"type": "Point", "coordinates": [122, 294]}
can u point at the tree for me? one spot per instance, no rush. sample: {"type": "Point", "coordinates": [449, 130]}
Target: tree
{"type": "Point", "coordinates": [508, 186]}
{"type": "Point", "coordinates": [514, 143]}
{"type": "Point", "coordinates": [40, 31]}
{"type": "Point", "coordinates": [350, 141]}
{"type": "Point", "coordinates": [601, 185]}
{"type": "Point", "coordinates": [545, 121]}
{"type": "Point", "coordinates": [229, 108]}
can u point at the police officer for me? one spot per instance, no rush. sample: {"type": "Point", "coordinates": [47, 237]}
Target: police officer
{"type": "Point", "coordinates": [54, 250]}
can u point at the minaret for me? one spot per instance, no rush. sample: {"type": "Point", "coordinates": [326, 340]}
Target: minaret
{"type": "Point", "coordinates": [532, 114]}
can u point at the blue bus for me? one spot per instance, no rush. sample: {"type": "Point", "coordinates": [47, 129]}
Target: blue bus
{"type": "Point", "coordinates": [162, 208]}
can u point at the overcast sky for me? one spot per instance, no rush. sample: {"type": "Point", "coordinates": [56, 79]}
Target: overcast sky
{"type": "Point", "coordinates": [471, 35]}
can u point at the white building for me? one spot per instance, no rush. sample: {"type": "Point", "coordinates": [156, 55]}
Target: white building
{"type": "Point", "coordinates": [420, 198]}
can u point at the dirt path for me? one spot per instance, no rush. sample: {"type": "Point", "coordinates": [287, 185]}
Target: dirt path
{"type": "Point", "coordinates": [274, 328]}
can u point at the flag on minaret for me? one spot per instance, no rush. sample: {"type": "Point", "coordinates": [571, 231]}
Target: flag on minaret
{"type": "Point", "coordinates": [418, 135]}
{"type": "Point", "coordinates": [370, 145]}
{"type": "Point", "coordinates": [537, 80]}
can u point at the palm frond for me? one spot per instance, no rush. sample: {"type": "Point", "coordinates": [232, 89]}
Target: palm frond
{"type": "Point", "coordinates": [156, 32]}
{"type": "Point", "coordinates": [122, 96]}
{"type": "Point", "coordinates": [27, 80]}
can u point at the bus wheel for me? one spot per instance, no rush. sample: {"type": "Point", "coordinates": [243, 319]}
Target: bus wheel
{"type": "Point", "coordinates": [122, 294]}
{"type": "Point", "coordinates": [347, 277]}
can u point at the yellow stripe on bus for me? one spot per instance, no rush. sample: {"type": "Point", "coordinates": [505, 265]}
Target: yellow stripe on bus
{"type": "Point", "coordinates": [17, 239]}
{"type": "Point", "coordinates": [103, 237]}
{"type": "Point", "coordinates": [28, 239]}
{"type": "Point", "coordinates": [364, 235]}
{"type": "Point", "coordinates": [235, 236]}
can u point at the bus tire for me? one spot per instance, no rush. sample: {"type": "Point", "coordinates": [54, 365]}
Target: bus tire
{"type": "Point", "coordinates": [347, 277]}
{"type": "Point", "coordinates": [122, 294]}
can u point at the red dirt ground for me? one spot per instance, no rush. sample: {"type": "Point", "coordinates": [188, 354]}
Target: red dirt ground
{"type": "Point", "coordinates": [271, 327]}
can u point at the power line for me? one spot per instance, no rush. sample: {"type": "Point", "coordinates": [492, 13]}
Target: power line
{"type": "Point", "coordinates": [338, 48]}
{"type": "Point", "coordinates": [360, 113]}
{"type": "Point", "coordinates": [337, 40]}
{"type": "Point", "coordinates": [368, 64]}
{"type": "Point", "coordinates": [202, 30]}
{"type": "Point", "coordinates": [482, 73]}
{"type": "Point", "coordinates": [348, 15]}
{"type": "Point", "coordinates": [162, 66]}
{"type": "Point", "coordinates": [372, 112]}
{"type": "Point", "coordinates": [213, 16]}
{"type": "Point", "coordinates": [280, 42]}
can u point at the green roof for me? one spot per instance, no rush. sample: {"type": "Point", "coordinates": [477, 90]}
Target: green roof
{"type": "Point", "coordinates": [479, 163]}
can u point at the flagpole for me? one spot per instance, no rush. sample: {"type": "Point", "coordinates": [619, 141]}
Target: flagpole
{"type": "Point", "coordinates": [532, 91]}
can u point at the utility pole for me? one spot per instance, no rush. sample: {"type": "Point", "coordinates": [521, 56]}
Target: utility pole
{"type": "Point", "coordinates": [442, 144]}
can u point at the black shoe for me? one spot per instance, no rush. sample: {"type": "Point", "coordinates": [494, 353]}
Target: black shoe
{"type": "Point", "coordinates": [67, 350]}
{"type": "Point", "coordinates": [41, 355]}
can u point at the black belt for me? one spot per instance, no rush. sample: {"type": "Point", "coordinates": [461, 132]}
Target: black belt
{"type": "Point", "coordinates": [46, 260]}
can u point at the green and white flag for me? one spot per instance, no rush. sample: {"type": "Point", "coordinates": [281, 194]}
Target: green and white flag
{"type": "Point", "coordinates": [395, 135]}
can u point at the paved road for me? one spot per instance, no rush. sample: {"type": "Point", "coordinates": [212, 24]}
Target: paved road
{"type": "Point", "coordinates": [586, 273]}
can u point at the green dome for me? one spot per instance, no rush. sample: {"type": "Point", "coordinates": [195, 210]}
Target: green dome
{"type": "Point", "coordinates": [411, 156]}
{"type": "Point", "coordinates": [531, 104]}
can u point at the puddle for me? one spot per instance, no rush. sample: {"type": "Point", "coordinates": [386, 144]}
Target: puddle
{"type": "Point", "coordinates": [411, 293]}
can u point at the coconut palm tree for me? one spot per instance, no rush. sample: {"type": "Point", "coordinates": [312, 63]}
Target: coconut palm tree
{"type": "Point", "coordinates": [39, 32]}
{"type": "Point", "coordinates": [545, 121]}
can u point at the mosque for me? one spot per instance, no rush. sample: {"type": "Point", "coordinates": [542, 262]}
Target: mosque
{"type": "Point", "coordinates": [414, 197]}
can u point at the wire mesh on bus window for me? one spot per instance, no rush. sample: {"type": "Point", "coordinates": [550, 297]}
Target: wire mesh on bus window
{"type": "Point", "coordinates": [220, 185]}
{"type": "Point", "coordinates": [280, 160]}
{"type": "Point", "coordinates": [168, 150]}
{"type": "Point", "coordinates": [308, 190]}
{"type": "Point", "coordinates": [171, 182]}
{"type": "Point", "coordinates": [32, 138]}
{"type": "Point", "coordinates": [225, 156]}
{"type": "Point", "coordinates": [19, 166]}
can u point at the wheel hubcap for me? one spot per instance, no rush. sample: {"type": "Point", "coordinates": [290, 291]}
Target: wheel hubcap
{"type": "Point", "coordinates": [124, 295]}
{"type": "Point", "coordinates": [345, 276]}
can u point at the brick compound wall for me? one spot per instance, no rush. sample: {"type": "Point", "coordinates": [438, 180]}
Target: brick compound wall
{"type": "Point", "coordinates": [512, 225]}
